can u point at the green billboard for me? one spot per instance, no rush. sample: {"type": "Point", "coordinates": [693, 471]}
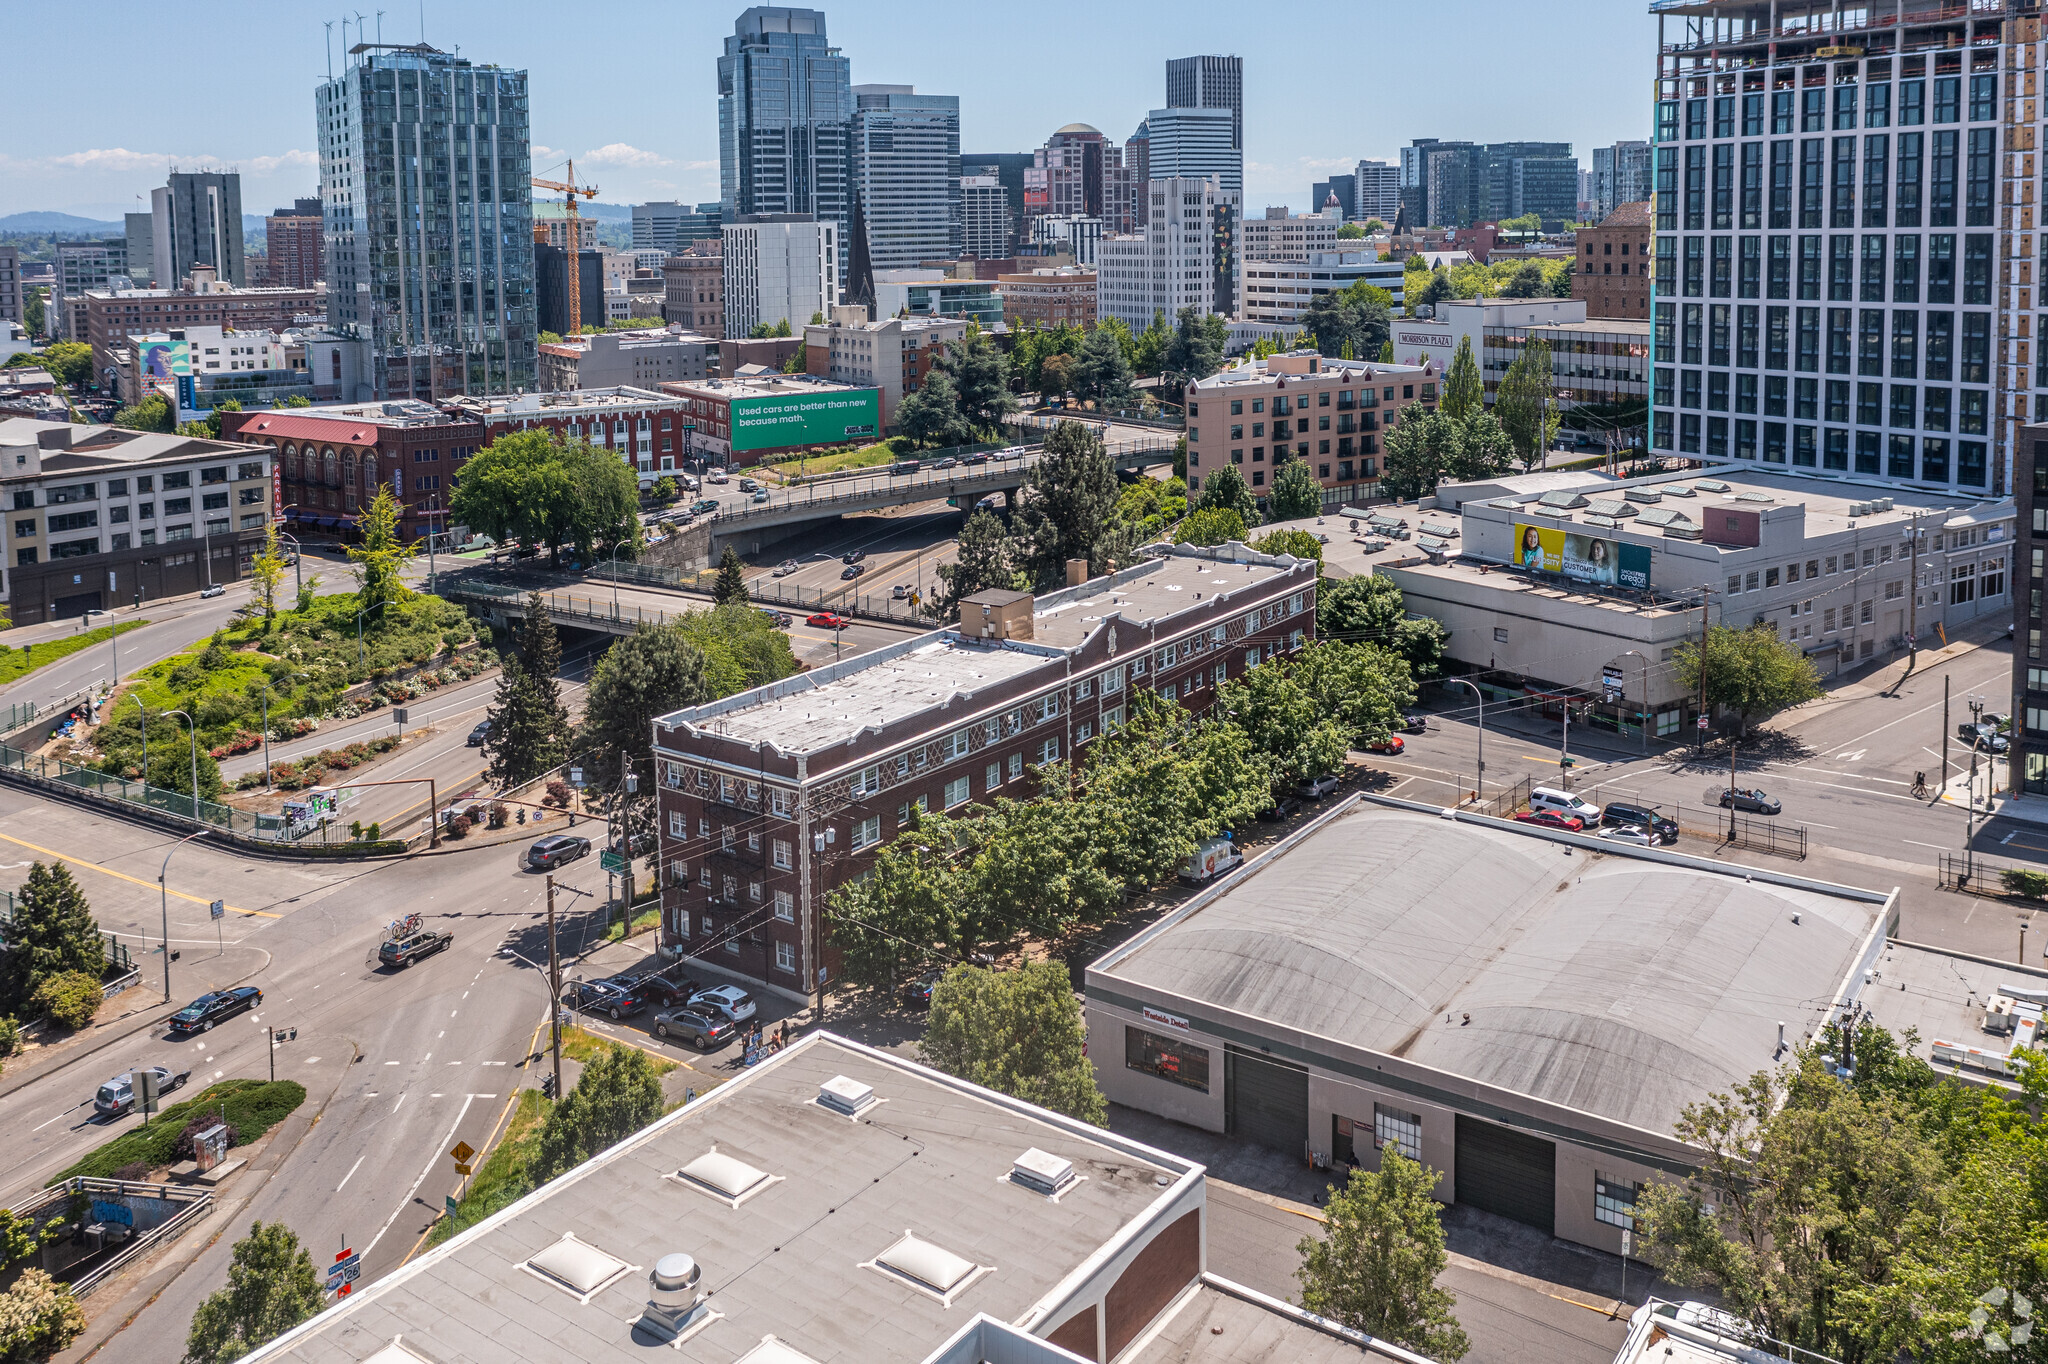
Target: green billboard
{"type": "Point", "coordinates": [815, 418]}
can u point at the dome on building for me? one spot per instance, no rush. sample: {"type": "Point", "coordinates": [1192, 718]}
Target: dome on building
{"type": "Point", "coordinates": [1330, 200]}
{"type": "Point", "coordinates": [1082, 129]}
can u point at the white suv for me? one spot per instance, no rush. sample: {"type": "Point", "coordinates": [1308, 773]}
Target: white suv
{"type": "Point", "coordinates": [1564, 803]}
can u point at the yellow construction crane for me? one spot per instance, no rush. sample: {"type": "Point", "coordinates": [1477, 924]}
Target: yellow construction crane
{"type": "Point", "coordinates": [570, 189]}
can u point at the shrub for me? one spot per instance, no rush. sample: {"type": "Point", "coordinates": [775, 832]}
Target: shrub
{"type": "Point", "coordinates": [2032, 884]}
{"type": "Point", "coordinates": [558, 793]}
{"type": "Point", "coordinates": [249, 1107]}
{"type": "Point", "coordinates": [134, 1172]}
{"type": "Point", "coordinates": [497, 815]}
{"type": "Point", "coordinates": [376, 832]}
{"type": "Point", "coordinates": [184, 1149]}
{"type": "Point", "coordinates": [458, 826]}
{"type": "Point", "coordinates": [69, 998]}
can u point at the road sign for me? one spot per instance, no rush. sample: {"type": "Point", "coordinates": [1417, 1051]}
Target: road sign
{"type": "Point", "coordinates": [463, 1151]}
{"type": "Point", "coordinates": [1626, 1240]}
{"type": "Point", "coordinates": [462, 1169]}
{"type": "Point", "coordinates": [344, 1270]}
{"type": "Point", "coordinates": [399, 716]}
{"type": "Point", "coordinates": [1701, 722]}
{"type": "Point", "coordinates": [615, 862]}
{"type": "Point", "coordinates": [218, 908]}
{"type": "Point", "coordinates": [575, 776]}
{"type": "Point", "coordinates": [451, 1205]}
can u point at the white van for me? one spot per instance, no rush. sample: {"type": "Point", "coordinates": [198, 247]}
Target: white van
{"type": "Point", "coordinates": [1564, 803]}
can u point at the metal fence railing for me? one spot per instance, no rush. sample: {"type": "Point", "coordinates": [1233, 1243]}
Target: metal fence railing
{"type": "Point", "coordinates": [599, 612]}
{"type": "Point", "coordinates": [1504, 805]}
{"type": "Point", "coordinates": [174, 806]}
{"type": "Point", "coordinates": [1974, 875]}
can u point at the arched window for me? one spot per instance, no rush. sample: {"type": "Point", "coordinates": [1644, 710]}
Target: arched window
{"type": "Point", "coordinates": [291, 461]}
{"type": "Point", "coordinates": [328, 461]}
{"type": "Point", "coordinates": [368, 474]}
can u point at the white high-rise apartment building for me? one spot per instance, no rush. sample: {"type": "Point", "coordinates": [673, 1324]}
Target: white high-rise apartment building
{"type": "Point", "coordinates": [1194, 144]}
{"type": "Point", "coordinates": [1376, 189]}
{"type": "Point", "coordinates": [777, 266]}
{"type": "Point", "coordinates": [1279, 236]}
{"type": "Point", "coordinates": [1842, 281]}
{"type": "Point", "coordinates": [1190, 255]}
{"type": "Point", "coordinates": [985, 217]}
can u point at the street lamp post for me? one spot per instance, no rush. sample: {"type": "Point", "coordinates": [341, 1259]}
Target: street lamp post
{"type": "Point", "coordinates": [164, 899]}
{"type": "Point", "coordinates": [266, 738]}
{"type": "Point", "coordinates": [1480, 696]}
{"type": "Point", "coordinates": [193, 726]}
{"type": "Point", "coordinates": [1643, 721]}
{"type": "Point", "coordinates": [145, 743]}
{"type": "Point", "coordinates": [359, 635]}
{"type": "Point", "coordinates": [298, 557]}
{"type": "Point", "coordinates": [113, 640]}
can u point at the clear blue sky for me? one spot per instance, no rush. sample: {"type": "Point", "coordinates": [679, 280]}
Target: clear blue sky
{"type": "Point", "coordinates": [629, 87]}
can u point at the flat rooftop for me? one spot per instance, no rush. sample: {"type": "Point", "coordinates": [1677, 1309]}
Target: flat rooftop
{"type": "Point", "coordinates": [757, 385]}
{"type": "Point", "coordinates": [1223, 1323]}
{"type": "Point", "coordinates": [1604, 325]}
{"type": "Point", "coordinates": [826, 707]}
{"type": "Point", "coordinates": [1943, 996]}
{"type": "Point", "coordinates": [792, 1256]}
{"type": "Point", "coordinates": [1143, 594]}
{"type": "Point", "coordinates": [574, 399]}
{"type": "Point", "coordinates": [1344, 371]}
{"type": "Point", "coordinates": [1613, 982]}
{"type": "Point", "coordinates": [1405, 557]}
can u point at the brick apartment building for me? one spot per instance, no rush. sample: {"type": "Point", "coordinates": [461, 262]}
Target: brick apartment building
{"type": "Point", "coordinates": [693, 281]}
{"type": "Point", "coordinates": [1614, 265]}
{"type": "Point", "coordinates": [770, 800]}
{"type": "Point", "coordinates": [1048, 298]}
{"type": "Point", "coordinates": [113, 315]}
{"type": "Point", "coordinates": [643, 427]}
{"type": "Point", "coordinates": [1330, 413]}
{"type": "Point", "coordinates": [332, 460]}
{"type": "Point", "coordinates": [295, 243]}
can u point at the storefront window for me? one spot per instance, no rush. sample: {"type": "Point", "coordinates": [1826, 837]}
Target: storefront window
{"type": "Point", "coordinates": [1166, 1057]}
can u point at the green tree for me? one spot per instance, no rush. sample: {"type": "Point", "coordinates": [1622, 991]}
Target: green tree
{"type": "Point", "coordinates": [1150, 346]}
{"type": "Point", "coordinates": [1300, 543]}
{"type": "Point", "coordinates": [1375, 1266]}
{"type": "Point", "coordinates": [69, 999]}
{"type": "Point", "coordinates": [1369, 610]}
{"type": "Point", "coordinates": [38, 1318]}
{"type": "Point", "coordinates": [795, 363]}
{"type": "Point", "coordinates": [153, 413]}
{"type": "Point", "coordinates": [1526, 405]}
{"type": "Point", "coordinates": [1018, 1032]}
{"type": "Point", "coordinates": [1387, 351]}
{"type": "Point", "coordinates": [1224, 490]}
{"type": "Point", "coordinates": [987, 559]}
{"type": "Point", "coordinates": [1415, 452]}
{"type": "Point", "coordinates": [618, 1094]}
{"type": "Point", "coordinates": [297, 400]}
{"type": "Point", "coordinates": [1751, 672]}
{"type": "Point", "coordinates": [271, 1288]}
{"type": "Point", "coordinates": [1073, 494]}
{"type": "Point", "coordinates": [1195, 350]}
{"type": "Point", "coordinates": [266, 570]}
{"type": "Point", "coordinates": [536, 488]}
{"type": "Point", "coordinates": [1361, 686]}
{"type": "Point", "coordinates": [1036, 866]}
{"type": "Point", "coordinates": [930, 416]}
{"type": "Point", "coordinates": [1464, 392]}
{"type": "Point", "coordinates": [1102, 371]}
{"type": "Point", "coordinates": [69, 362]}
{"type": "Point", "coordinates": [1290, 732]}
{"type": "Point", "coordinates": [742, 648]}
{"type": "Point", "coordinates": [380, 559]}
{"type": "Point", "coordinates": [902, 913]}
{"type": "Point", "coordinates": [52, 932]}
{"type": "Point", "coordinates": [646, 675]}
{"type": "Point", "coordinates": [1210, 526]}
{"type": "Point", "coordinates": [1296, 493]}
{"type": "Point", "coordinates": [34, 312]}
{"type": "Point", "coordinates": [1350, 232]}
{"type": "Point", "coordinates": [731, 587]}
{"type": "Point", "coordinates": [1055, 375]}
{"type": "Point", "coordinates": [1480, 450]}
{"type": "Point", "coordinates": [980, 375]}
{"type": "Point", "coordinates": [529, 731]}
{"type": "Point", "coordinates": [1156, 788]}
{"type": "Point", "coordinates": [171, 762]}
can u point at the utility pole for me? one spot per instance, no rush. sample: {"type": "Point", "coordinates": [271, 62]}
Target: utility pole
{"type": "Point", "coordinates": [1944, 734]}
{"type": "Point", "coordinates": [1731, 791]}
{"type": "Point", "coordinates": [1564, 751]}
{"type": "Point", "coordinates": [554, 989]}
{"type": "Point", "coordinates": [1700, 729]}
{"type": "Point", "coordinates": [1913, 607]}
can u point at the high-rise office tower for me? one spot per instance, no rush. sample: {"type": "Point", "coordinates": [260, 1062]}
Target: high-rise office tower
{"type": "Point", "coordinates": [1138, 162]}
{"type": "Point", "coordinates": [140, 231]}
{"type": "Point", "coordinates": [985, 215]}
{"type": "Point", "coordinates": [1344, 188]}
{"type": "Point", "coordinates": [1008, 168]}
{"type": "Point", "coordinates": [1209, 83]}
{"type": "Point", "coordinates": [293, 241]}
{"type": "Point", "coordinates": [1621, 175]}
{"type": "Point", "coordinates": [1190, 255]}
{"type": "Point", "coordinates": [1194, 144]}
{"type": "Point", "coordinates": [1840, 286]}
{"type": "Point", "coordinates": [906, 177]}
{"type": "Point", "coordinates": [785, 121]}
{"type": "Point", "coordinates": [196, 219]}
{"type": "Point", "coordinates": [1531, 177]}
{"type": "Point", "coordinates": [1079, 173]}
{"type": "Point", "coordinates": [665, 225]}
{"type": "Point", "coordinates": [1376, 192]}
{"type": "Point", "coordinates": [425, 173]}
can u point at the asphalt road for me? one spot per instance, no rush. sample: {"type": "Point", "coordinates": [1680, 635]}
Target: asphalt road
{"type": "Point", "coordinates": [414, 1061]}
{"type": "Point", "coordinates": [1842, 766]}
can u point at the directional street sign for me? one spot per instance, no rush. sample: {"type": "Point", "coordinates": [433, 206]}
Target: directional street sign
{"type": "Point", "coordinates": [615, 862]}
{"type": "Point", "coordinates": [343, 1272]}
{"type": "Point", "coordinates": [451, 1205]}
{"type": "Point", "coordinates": [218, 909]}
{"type": "Point", "coordinates": [462, 1169]}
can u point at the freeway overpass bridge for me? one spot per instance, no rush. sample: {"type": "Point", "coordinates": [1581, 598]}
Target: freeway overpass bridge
{"type": "Point", "coordinates": [749, 526]}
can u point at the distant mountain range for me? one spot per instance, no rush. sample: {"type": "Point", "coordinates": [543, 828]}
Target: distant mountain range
{"type": "Point", "coordinates": [252, 224]}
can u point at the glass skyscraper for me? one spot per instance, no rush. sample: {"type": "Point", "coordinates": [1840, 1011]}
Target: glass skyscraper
{"type": "Point", "coordinates": [1843, 241]}
{"type": "Point", "coordinates": [785, 120]}
{"type": "Point", "coordinates": [424, 185]}
{"type": "Point", "coordinates": [906, 173]}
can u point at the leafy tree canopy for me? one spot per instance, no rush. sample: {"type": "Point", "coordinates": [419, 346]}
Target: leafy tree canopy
{"type": "Point", "coordinates": [1296, 492]}
{"type": "Point", "coordinates": [1224, 490]}
{"type": "Point", "coordinates": [618, 1094]}
{"type": "Point", "coordinates": [1376, 1264]}
{"type": "Point", "coordinates": [1751, 672]}
{"type": "Point", "coordinates": [1018, 1032]}
{"type": "Point", "coordinates": [271, 1288]}
{"type": "Point", "coordinates": [536, 488]}
{"type": "Point", "coordinates": [1370, 610]}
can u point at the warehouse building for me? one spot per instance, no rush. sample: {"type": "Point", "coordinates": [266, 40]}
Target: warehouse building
{"type": "Point", "coordinates": [1527, 1012]}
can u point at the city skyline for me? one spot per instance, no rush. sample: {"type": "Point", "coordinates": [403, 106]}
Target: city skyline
{"type": "Point", "coordinates": [659, 139]}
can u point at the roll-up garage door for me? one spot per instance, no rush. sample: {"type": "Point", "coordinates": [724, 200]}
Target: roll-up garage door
{"type": "Point", "coordinates": [1266, 1101]}
{"type": "Point", "coordinates": [1508, 1173]}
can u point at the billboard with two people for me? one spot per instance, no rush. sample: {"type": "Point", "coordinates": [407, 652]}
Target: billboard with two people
{"type": "Point", "coordinates": [1582, 558]}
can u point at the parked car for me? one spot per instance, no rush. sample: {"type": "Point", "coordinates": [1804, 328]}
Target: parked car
{"type": "Point", "coordinates": [975, 459]}
{"type": "Point", "coordinates": [1391, 744]}
{"type": "Point", "coordinates": [479, 734]}
{"type": "Point", "coordinates": [1414, 723]}
{"type": "Point", "coordinates": [202, 1013]}
{"type": "Point", "coordinates": [1985, 737]}
{"type": "Point", "coordinates": [555, 850]}
{"type": "Point", "coordinates": [213, 590]}
{"type": "Point", "coordinates": [615, 997]}
{"type": "Point", "coordinates": [1315, 788]}
{"type": "Point", "coordinates": [852, 571]}
{"type": "Point", "coordinates": [729, 1002]}
{"type": "Point", "coordinates": [1630, 833]}
{"type": "Point", "coordinates": [1283, 807]}
{"type": "Point", "coordinates": [1752, 800]}
{"type": "Point", "coordinates": [1564, 803]}
{"type": "Point", "coordinates": [1550, 819]}
{"type": "Point", "coordinates": [399, 953]}
{"type": "Point", "coordinates": [1620, 816]}
{"type": "Point", "coordinates": [947, 463]}
{"type": "Point", "coordinates": [669, 992]}
{"type": "Point", "coordinates": [1215, 857]}
{"type": "Point", "coordinates": [690, 482]}
{"type": "Point", "coordinates": [826, 620]}
{"type": "Point", "coordinates": [853, 556]}
{"type": "Point", "coordinates": [117, 1096]}
{"type": "Point", "coordinates": [700, 1028]}
{"type": "Point", "coordinates": [918, 993]}
{"type": "Point", "coordinates": [785, 568]}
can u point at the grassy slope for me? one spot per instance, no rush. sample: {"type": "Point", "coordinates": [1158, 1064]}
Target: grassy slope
{"type": "Point", "coordinates": [21, 662]}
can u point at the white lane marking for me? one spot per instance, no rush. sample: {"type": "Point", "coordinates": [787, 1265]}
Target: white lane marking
{"type": "Point", "coordinates": [2008, 838]}
{"type": "Point", "coordinates": [312, 1060]}
{"type": "Point", "coordinates": [218, 1073]}
{"type": "Point", "coordinates": [452, 1013]}
{"type": "Point", "coordinates": [41, 1125]}
{"type": "Point", "coordinates": [435, 1096]}
{"type": "Point", "coordinates": [465, 995]}
{"type": "Point", "coordinates": [507, 1063]}
{"type": "Point", "coordinates": [483, 1096]}
{"type": "Point", "coordinates": [429, 1056]}
{"type": "Point", "coordinates": [1938, 847]}
{"type": "Point", "coordinates": [391, 1063]}
{"type": "Point", "coordinates": [431, 1163]}
{"type": "Point", "coordinates": [351, 1173]}
{"type": "Point", "coordinates": [400, 1104]}
{"type": "Point", "coordinates": [1811, 825]}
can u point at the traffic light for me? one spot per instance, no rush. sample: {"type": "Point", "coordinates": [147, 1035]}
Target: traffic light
{"type": "Point", "coordinates": [547, 1086]}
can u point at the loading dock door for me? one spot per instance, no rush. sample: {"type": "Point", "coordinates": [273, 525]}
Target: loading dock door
{"type": "Point", "coordinates": [1265, 1101]}
{"type": "Point", "coordinates": [1508, 1173]}
{"type": "Point", "coordinates": [74, 606]}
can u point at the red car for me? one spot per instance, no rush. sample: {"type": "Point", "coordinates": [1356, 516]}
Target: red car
{"type": "Point", "coordinates": [825, 620]}
{"type": "Point", "coordinates": [1393, 744]}
{"type": "Point", "coordinates": [1552, 821]}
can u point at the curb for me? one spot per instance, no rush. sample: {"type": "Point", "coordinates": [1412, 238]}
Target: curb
{"type": "Point", "coordinates": [182, 1256]}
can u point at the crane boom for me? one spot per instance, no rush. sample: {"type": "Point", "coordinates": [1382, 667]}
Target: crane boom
{"type": "Point", "coordinates": [569, 190]}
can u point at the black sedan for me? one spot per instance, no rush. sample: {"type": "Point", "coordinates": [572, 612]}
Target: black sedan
{"type": "Point", "coordinates": [615, 998]}
{"type": "Point", "coordinates": [202, 1013]}
{"type": "Point", "coordinates": [667, 992]}
{"type": "Point", "coordinates": [555, 850]}
{"type": "Point", "coordinates": [918, 993]}
{"type": "Point", "coordinates": [1752, 800]}
{"type": "Point", "coordinates": [699, 1028]}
